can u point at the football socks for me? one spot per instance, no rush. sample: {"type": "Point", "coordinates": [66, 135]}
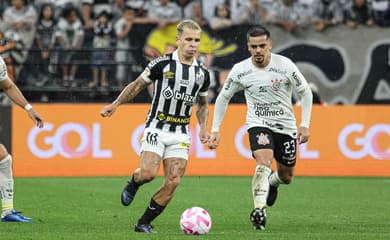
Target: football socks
{"type": "Point", "coordinates": [260, 186]}
{"type": "Point", "coordinates": [6, 185]}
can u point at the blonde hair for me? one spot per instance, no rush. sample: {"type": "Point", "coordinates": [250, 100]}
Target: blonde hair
{"type": "Point", "coordinates": [190, 24]}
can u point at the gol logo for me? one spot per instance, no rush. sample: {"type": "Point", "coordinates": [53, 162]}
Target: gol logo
{"type": "Point", "coordinates": [55, 141]}
{"type": "Point", "coordinates": [369, 144]}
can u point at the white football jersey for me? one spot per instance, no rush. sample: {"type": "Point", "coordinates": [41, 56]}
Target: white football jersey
{"type": "Point", "coordinates": [3, 70]}
{"type": "Point", "coordinates": [268, 92]}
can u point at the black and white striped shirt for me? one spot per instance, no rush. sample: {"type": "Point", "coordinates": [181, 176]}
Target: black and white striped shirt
{"type": "Point", "coordinates": [176, 89]}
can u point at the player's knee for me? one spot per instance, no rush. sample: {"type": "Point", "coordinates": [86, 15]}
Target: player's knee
{"type": "Point", "coordinates": [172, 183]}
{"type": "Point", "coordinates": [3, 152]}
{"type": "Point", "coordinates": [147, 175]}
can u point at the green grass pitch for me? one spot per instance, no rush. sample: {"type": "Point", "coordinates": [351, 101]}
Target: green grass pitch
{"type": "Point", "coordinates": [309, 208]}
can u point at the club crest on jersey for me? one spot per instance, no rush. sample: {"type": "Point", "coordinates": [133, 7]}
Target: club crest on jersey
{"type": "Point", "coordinates": [276, 84]}
{"type": "Point", "coordinates": [262, 139]}
{"type": "Point", "coordinates": [169, 75]}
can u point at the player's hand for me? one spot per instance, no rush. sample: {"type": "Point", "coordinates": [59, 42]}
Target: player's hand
{"type": "Point", "coordinates": [303, 135]}
{"type": "Point", "coordinates": [108, 110]}
{"type": "Point", "coordinates": [203, 135]}
{"type": "Point", "coordinates": [214, 140]}
{"type": "Point", "coordinates": [36, 117]}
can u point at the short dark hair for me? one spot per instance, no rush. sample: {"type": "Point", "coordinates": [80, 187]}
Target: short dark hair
{"type": "Point", "coordinates": [257, 31]}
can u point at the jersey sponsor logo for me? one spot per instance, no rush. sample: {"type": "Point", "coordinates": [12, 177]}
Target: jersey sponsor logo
{"type": "Point", "coordinates": [262, 139]}
{"type": "Point", "coordinates": [185, 97]}
{"type": "Point", "coordinates": [228, 83]}
{"type": "Point", "coordinates": [277, 70]}
{"type": "Point", "coordinates": [243, 74]}
{"type": "Point", "coordinates": [262, 89]}
{"type": "Point", "coordinates": [276, 84]}
{"type": "Point", "coordinates": [167, 93]}
{"type": "Point", "coordinates": [185, 82]}
{"type": "Point", "coordinates": [169, 75]}
{"type": "Point", "coordinates": [262, 110]}
{"type": "Point", "coordinates": [151, 138]}
{"type": "Point", "coordinates": [199, 77]}
{"type": "Point", "coordinates": [272, 125]}
{"type": "Point", "coordinates": [157, 60]}
{"type": "Point", "coordinates": [185, 145]}
{"type": "Point", "coordinates": [166, 118]}
{"type": "Point", "coordinates": [298, 81]}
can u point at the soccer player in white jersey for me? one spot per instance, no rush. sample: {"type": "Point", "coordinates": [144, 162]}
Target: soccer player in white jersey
{"type": "Point", "coordinates": [8, 213]}
{"type": "Point", "coordinates": [180, 82]}
{"type": "Point", "coordinates": [268, 81]}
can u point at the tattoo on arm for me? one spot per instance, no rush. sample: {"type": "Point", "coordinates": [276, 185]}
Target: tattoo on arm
{"type": "Point", "coordinates": [202, 111]}
{"type": "Point", "coordinates": [131, 91]}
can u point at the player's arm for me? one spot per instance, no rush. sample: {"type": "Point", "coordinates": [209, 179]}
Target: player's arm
{"type": "Point", "coordinates": [229, 89]}
{"type": "Point", "coordinates": [14, 93]}
{"type": "Point", "coordinates": [127, 94]}
{"type": "Point", "coordinates": [202, 113]}
{"type": "Point", "coordinates": [306, 97]}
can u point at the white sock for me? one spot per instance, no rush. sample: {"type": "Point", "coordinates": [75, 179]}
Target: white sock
{"type": "Point", "coordinates": [274, 179]}
{"type": "Point", "coordinates": [6, 185]}
{"type": "Point", "coordinates": [260, 186]}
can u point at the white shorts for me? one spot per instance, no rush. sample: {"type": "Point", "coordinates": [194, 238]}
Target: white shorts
{"type": "Point", "coordinates": [166, 144]}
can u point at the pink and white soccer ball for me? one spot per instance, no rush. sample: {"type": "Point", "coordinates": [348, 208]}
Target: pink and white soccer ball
{"type": "Point", "coordinates": [195, 221]}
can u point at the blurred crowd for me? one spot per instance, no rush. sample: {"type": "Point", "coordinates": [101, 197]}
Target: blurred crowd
{"type": "Point", "coordinates": [67, 34]}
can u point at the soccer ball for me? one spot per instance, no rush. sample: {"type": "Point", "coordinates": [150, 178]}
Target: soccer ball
{"type": "Point", "coordinates": [195, 221]}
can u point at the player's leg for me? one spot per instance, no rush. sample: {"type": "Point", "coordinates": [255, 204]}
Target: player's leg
{"type": "Point", "coordinates": [152, 149]}
{"type": "Point", "coordinates": [8, 213]}
{"type": "Point", "coordinates": [174, 163]}
{"type": "Point", "coordinates": [149, 166]}
{"type": "Point", "coordinates": [285, 155]}
{"type": "Point", "coordinates": [173, 171]}
{"type": "Point", "coordinates": [261, 142]}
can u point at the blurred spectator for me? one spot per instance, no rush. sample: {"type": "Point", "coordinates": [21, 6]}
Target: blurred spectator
{"type": "Point", "coordinates": [140, 9]}
{"type": "Point", "coordinates": [19, 21]}
{"type": "Point", "coordinates": [285, 13]}
{"type": "Point", "coordinates": [209, 8]}
{"type": "Point", "coordinates": [3, 6]}
{"type": "Point", "coordinates": [6, 46]}
{"type": "Point", "coordinates": [103, 33]}
{"type": "Point", "coordinates": [221, 17]}
{"type": "Point", "coordinates": [68, 39]}
{"type": "Point", "coordinates": [122, 56]}
{"type": "Point", "coordinates": [310, 12]}
{"type": "Point", "coordinates": [44, 41]}
{"type": "Point", "coordinates": [381, 12]}
{"type": "Point", "coordinates": [185, 8]}
{"type": "Point", "coordinates": [197, 15]}
{"type": "Point", "coordinates": [331, 14]}
{"type": "Point", "coordinates": [253, 13]}
{"type": "Point", "coordinates": [164, 12]}
{"type": "Point", "coordinates": [92, 8]}
{"type": "Point", "coordinates": [59, 5]}
{"type": "Point", "coordinates": [358, 13]}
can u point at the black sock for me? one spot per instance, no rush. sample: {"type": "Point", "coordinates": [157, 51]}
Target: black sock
{"type": "Point", "coordinates": [151, 212]}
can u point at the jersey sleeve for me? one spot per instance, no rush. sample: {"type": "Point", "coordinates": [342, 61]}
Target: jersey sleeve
{"type": "Point", "coordinates": [232, 84]}
{"type": "Point", "coordinates": [206, 84]}
{"type": "Point", "coordinates": [297, 78]}
{"type": "Point", "coordinates": [304, 93]}
{"type": "Point", "coordinates": [153, 70]}
{"type": "Point", "coordinates": [3, 70]}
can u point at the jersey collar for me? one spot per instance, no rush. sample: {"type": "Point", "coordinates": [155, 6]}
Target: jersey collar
{"type": "Point", "coordinates": [175, 56]}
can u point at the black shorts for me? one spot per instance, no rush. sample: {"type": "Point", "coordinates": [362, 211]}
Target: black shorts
{"type": "Point", "coordinates": [284, 146]}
